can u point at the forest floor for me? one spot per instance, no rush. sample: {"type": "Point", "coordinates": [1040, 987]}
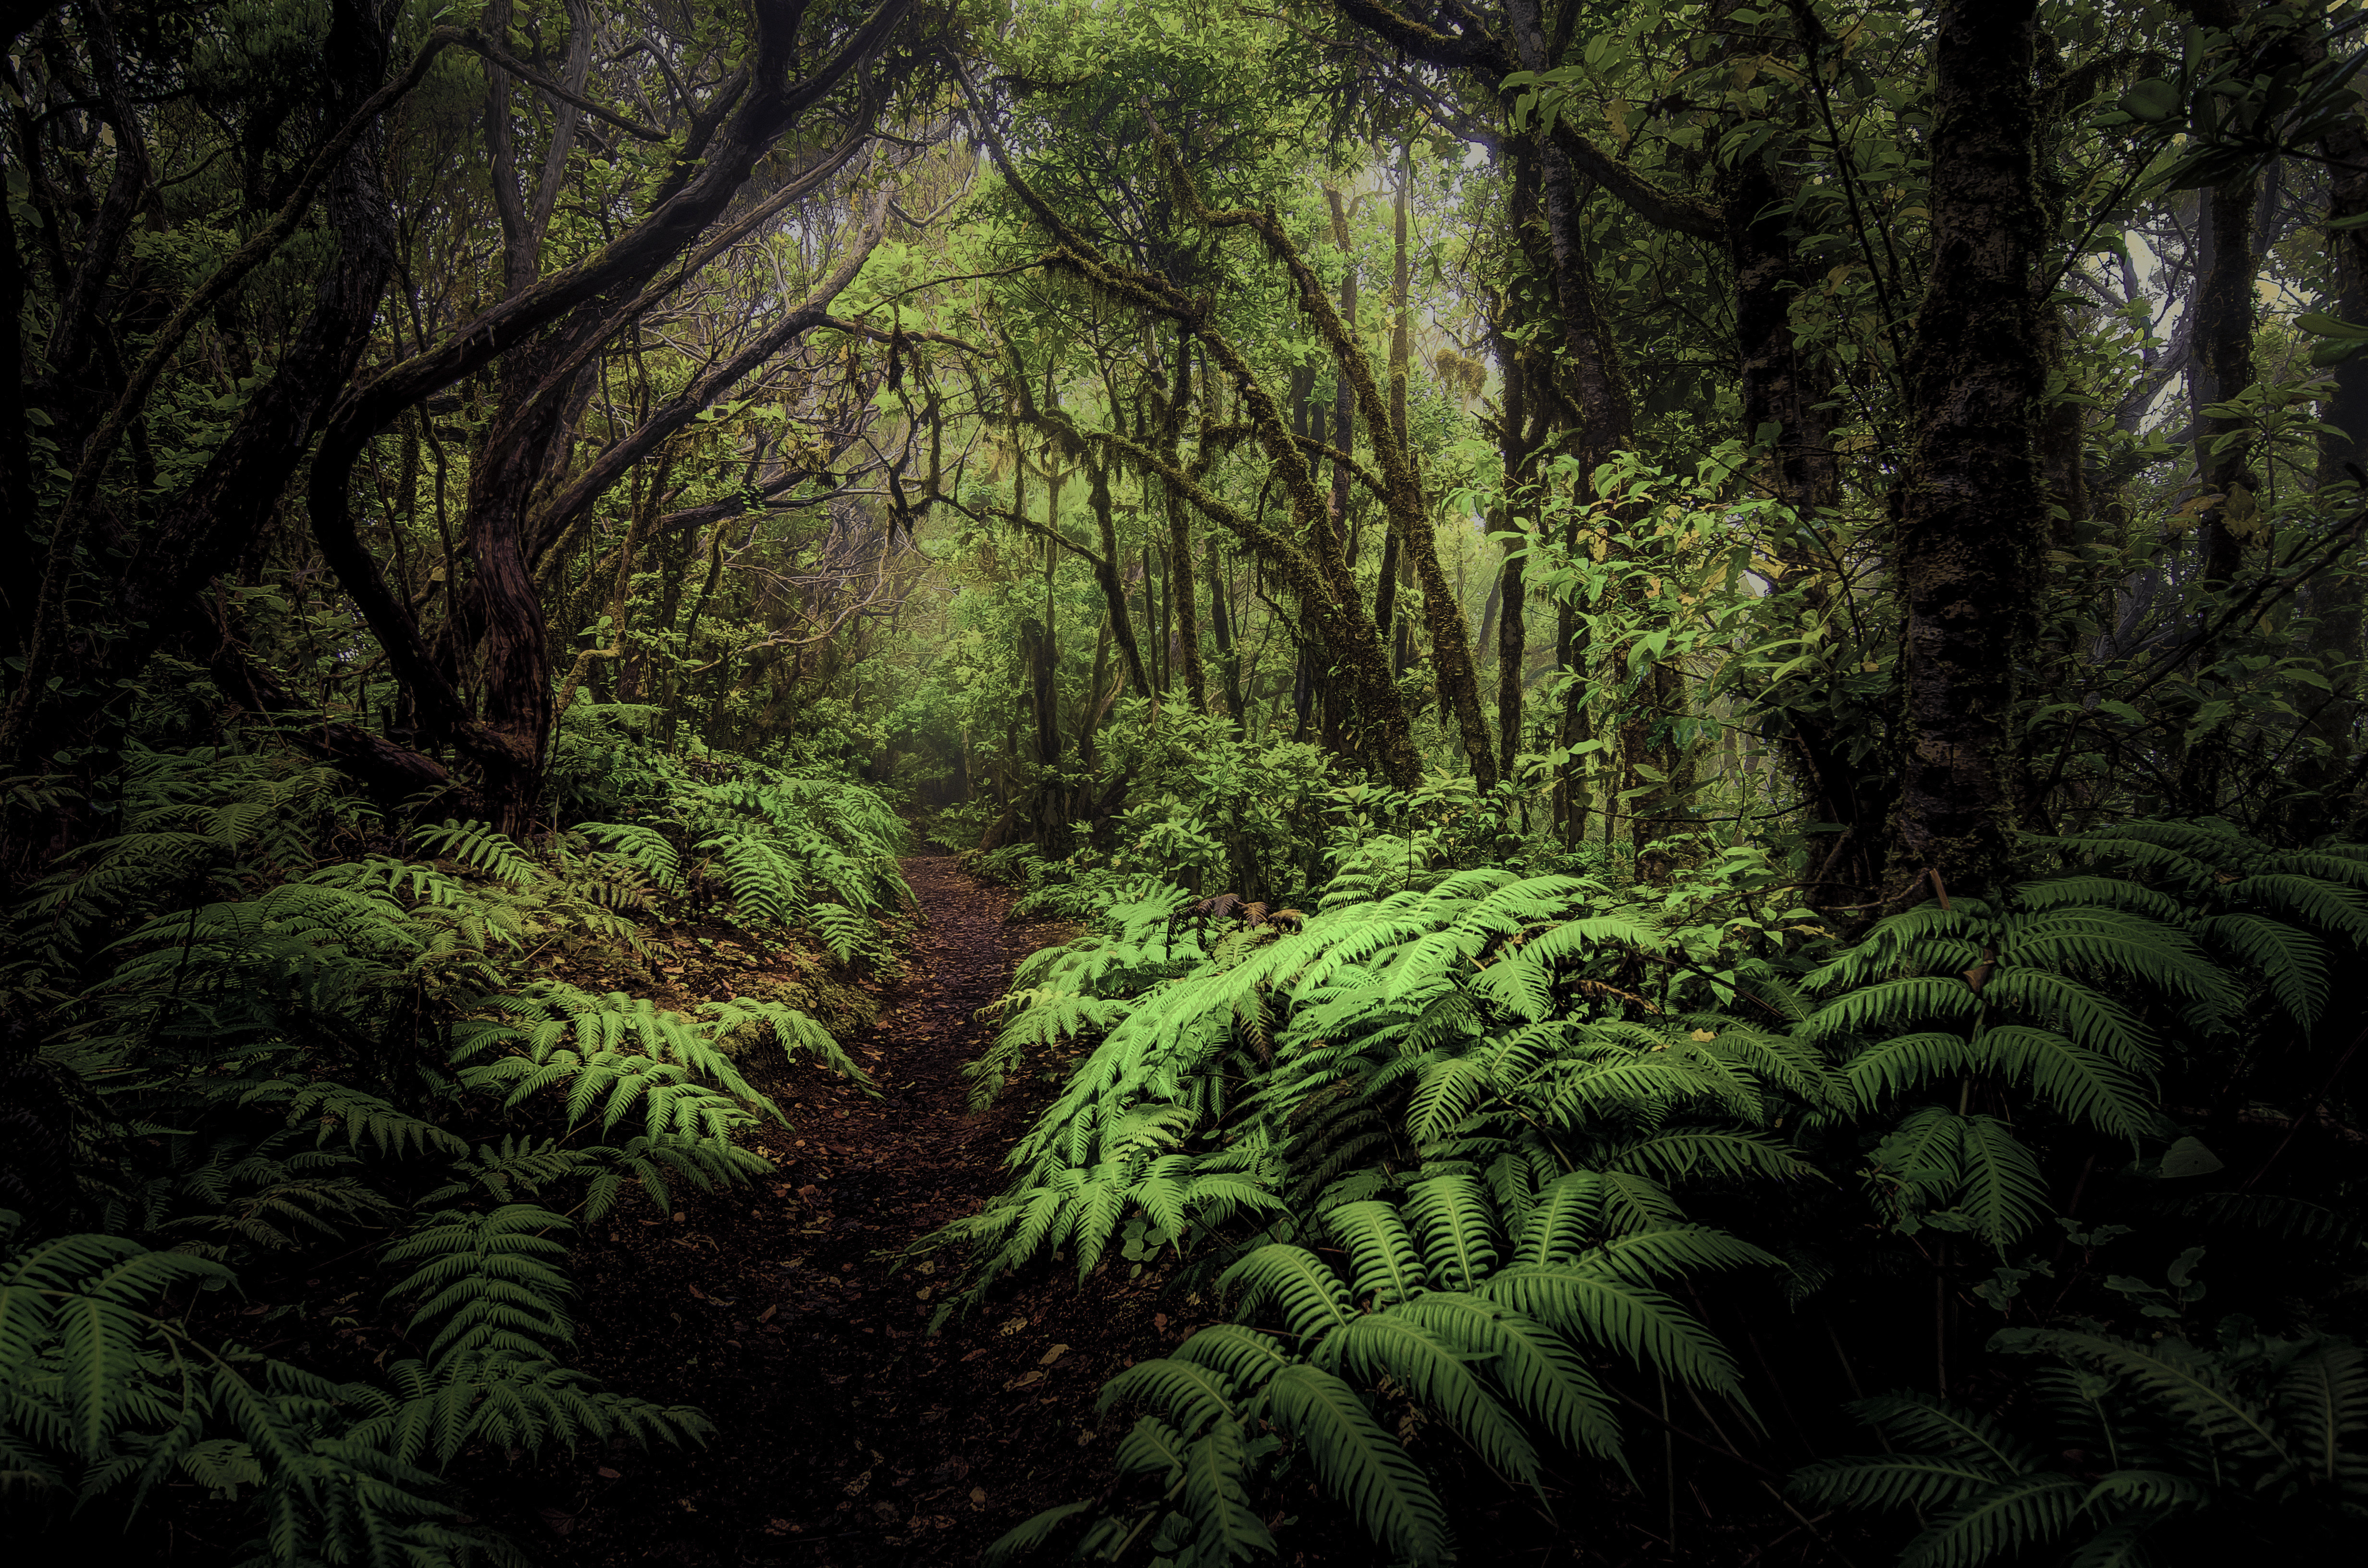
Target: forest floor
{"type": "Point", "coordinates": [792, 1314]}
{"type": "Point", "coordinates": [795, 1314]}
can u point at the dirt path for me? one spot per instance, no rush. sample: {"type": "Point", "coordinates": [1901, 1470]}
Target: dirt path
{"type": "Point", "coordinates": [846, 1435]}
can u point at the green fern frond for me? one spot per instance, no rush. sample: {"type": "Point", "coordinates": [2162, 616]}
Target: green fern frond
{"type": "Point", "coordinates": [493, 1282]}
{"type": "Point", "coordinates": [479, 846]}
{"type": "Point", "coordinates": [2097, 1021]}
{"type": "Point", "coordinates": [1547, 1381]}
{"type": "Point", "coordinates": [1294, 1279]}
{"type": "Point", "coordinates": [2290, 1219]}
{"type": "Point", "coordinates": [1215, 1496]}
{"type": "Point", "coordinates": [2322, 1399]}
{"type": "Point", "coordinates": [2004, 1188]}
{"type": "Point", "coordinates": [1687, 1153]}
{"type": "Point", "coordinates": [1028, 1537]}
{"type": "Point", "coordinates": [1642, 1323]}
{"type": "Point", "coordinates": [1433, 1369]}
{"type": "Point", "coordinates": [2292, 961]}
{"type": "Point", "coordinates": [647, 848]}
{"type": "Point", "coordinates": [1360, 1463]}
{"type": "Point", "coordinates": [2081, 1085]}
{"type": "Point", "coordinates": [1889, 1481]}
{"type": "Point", "coordinates": [2008, 1517]}
{"type": "Point", "coordinates": [1385, 1264]}
{"type": "Point", "coordinates": [1190, 1394]}
{"type": "Point", "coordinates": [2178, 1378]}
{"type": "Point", "coordinates": [2325, 906]}
{"type": "Point", "coordinates": [1925, 1421]}
{"type": "Point", "coordinates": [336, 1107]}
{"type": "Point", "coordinates": [1906, 1062]}
{"type": "Point", "coordinates": [1457, 1225]}
{"type": "Point", "coordinates": [1888, 1001]}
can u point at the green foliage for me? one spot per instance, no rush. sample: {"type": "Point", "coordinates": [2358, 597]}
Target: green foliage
{"type": "Point", "coordinates": [789, 850]}
{"type": "Point", "coordinates": [275, 1047]}
{"type": "Point", "coordinates": [2271, 1435]}
{"type": "Point", "coordinates": [1483, 1321]}
{"type": "Point", "coordinates": [110, 1396]}
{"type": "Point", "coordinates": [1231, 1077]}
{"type": "Point", "coordinates": [1480, 1093]}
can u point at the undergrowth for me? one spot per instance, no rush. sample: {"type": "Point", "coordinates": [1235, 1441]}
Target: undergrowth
{"type": "Point", "coordinates": [262, 1024]}
{"type": "Point", "coordinates": [1442, 1146]}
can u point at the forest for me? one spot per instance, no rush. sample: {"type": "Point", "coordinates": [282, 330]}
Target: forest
{"type": "Point", "coordinates": [1184, 782]}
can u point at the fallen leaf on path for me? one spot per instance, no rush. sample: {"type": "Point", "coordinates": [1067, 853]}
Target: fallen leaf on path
{"type": "Point", "coordinates": [1052, 1356]}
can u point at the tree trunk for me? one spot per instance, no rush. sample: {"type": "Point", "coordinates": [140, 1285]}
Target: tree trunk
{"type": "Point", "coordinates": [1098, 497]}
{"type": "Point", "coordinates": [1344, 399]}
{"type": "Point", "coordinates": [1180, 606]}
{"type": "Point", "coordinates": [1973, 533]}
{"type": "Point", "coordinates": [2224, 342]}
{"type": "Point", "coordinates": [2333, 600]}
{"type": "Point", "coordinates": [1221, 623]}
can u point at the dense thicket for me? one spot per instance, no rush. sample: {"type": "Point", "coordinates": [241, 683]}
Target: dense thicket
{"type": "Point", "coordinates": [1695, 669]}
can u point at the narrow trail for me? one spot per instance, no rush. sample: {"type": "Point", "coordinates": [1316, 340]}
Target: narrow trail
{"type": "Point", "coordinates": [845, 1433]}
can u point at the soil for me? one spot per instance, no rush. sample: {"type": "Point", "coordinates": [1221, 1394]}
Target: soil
{"type": "Point", "coordinates": [796, 1316]}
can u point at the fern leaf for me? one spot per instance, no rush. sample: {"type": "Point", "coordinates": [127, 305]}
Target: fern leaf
{"type": "Point", "coordinates": [1215, 1496]}
{"type": "Point", "coordinates": [1676, 1154]}
{"type": "Point", "coordinates": [1547, 1381]}
{"type": "Point", "coordinates": [2005, 1190]}
{"type": "Point", "coordinates": [1458, 1227]}
{"type": "Point", "coordinates": [2324, 1401]}
{"type": "Point", "coordinates": [1644, 1324]}
{"type": "Point", "coordinates": [2292, 962]}
{"type": "Point", "coordinates": [1025, 1539]}
{"type": "Point", "coordinates": [1387, 1269]}
{"type": "Point", "coordinates": [1188, 1393]}
{"type": "Point", "coordinates": [2081, 1085]}
{"type": "Point", "coordinates": [1894, 1001]}
{"type": "Point", "coordinates": [1889, 1481]}
{"type": "Point", "coordinates": [2010, 1516]}
{"type": "Point", "coordinates": [1934, 1424]}
{"type": "Point", "coordinates": [1360, 1463]}
{"type": "Point", "coordinates": [1295, 1279]}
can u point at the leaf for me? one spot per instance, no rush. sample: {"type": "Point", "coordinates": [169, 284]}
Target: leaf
{"type": "Point", "coordinates": [2152, 100]}
{"type": "Point", "coordinates": [1360, 1463]}
{"type": "Point", "coordinates": [1216, 1498]}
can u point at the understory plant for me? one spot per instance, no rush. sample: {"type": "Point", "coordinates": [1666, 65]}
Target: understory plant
{"type": "Point", "coordinates": [1438, 1151]}
{"type": "Point", "coordinates": [265, 1028]}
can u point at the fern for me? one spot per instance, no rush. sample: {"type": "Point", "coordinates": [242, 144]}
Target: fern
{"type": "Point", "coordinates": [1421, 1304]}
{"type": "Point", "coordinates": [101, 1396]}
{"type": "Point", "coordinates": [491, 1289]}
{"type": "Point", "coordinates": [477, 846]}
{"type": "Point", "coordinates": [848, 935]}
{"type": "Point", "coordinates": [267, 1041]}
{"type": "Point", "coordinates": [2275, 1429]}
{"type": "Point", "coordinates": [645, 847]}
